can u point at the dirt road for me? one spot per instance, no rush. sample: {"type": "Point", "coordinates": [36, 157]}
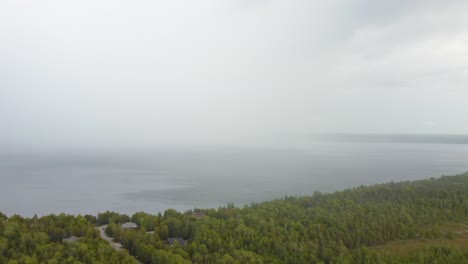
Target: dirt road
{"type": "Point", "coordinates": [115, 245]}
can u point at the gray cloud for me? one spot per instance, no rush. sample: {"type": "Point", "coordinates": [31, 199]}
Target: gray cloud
{"type": "Point", "coordinates": [120, 72]}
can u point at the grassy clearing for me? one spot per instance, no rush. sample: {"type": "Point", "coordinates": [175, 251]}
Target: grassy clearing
{"type": "Point", "coordinates": [458, 239]}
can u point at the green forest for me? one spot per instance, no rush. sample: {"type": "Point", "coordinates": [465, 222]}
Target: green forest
{"type": "Point", "coordinates": [424, 221]}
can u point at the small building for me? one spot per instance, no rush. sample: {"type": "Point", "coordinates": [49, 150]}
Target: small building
{"type": "Point", "coordinates": [70, 239]}
{"type": "Point", "coordinates": [198, 215]}
{"type": "Point", "coordinates": [129, 225]}
{"type": "Point", "coordinates": [171, 241]}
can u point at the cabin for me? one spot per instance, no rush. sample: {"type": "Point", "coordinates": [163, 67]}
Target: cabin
{"type": "Point", "coordinates": [171, 241]}
{"type": "Point", "coordinates": [70, 239]}
{"type": "Point", "coordinates": [198, 215]}
{"type": "Point", "coordinates": [129, 225]}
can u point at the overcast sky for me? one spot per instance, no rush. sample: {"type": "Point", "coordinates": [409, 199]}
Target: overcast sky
{"type": "Point", "coordinates": [155, 72]}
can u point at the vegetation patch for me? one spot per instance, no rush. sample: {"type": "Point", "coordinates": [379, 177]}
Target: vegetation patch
{"type": "Point", "coordinates": [454, 235]}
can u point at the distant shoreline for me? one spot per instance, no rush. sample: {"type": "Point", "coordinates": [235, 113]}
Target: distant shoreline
{"type": "Point", "coordinates": [461, 139]}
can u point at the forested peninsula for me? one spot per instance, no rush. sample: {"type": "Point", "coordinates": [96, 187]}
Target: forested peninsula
{"type": "Point", "coordinates": [424, 221]}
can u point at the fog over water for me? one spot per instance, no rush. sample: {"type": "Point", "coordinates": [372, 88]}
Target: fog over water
{"type": "Point", "coordinates": [145, 105]}
{"type": "Point", "coordinates": [81, 74]}
{"type": "Point", "coordinates": [201, 177]}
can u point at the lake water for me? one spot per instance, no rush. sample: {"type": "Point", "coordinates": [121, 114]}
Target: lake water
{"type": "Point", "coordinates": [200, 177]}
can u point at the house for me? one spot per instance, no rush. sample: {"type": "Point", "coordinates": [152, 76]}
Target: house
{"type": "Point", "coordinates": [171, 241]}
{"type": "Point", "coordinates": [70, 239]}
{"type": "Point", "coordinates": [129, 225]}
{"type": "Point", "coordinates": [198, 215]}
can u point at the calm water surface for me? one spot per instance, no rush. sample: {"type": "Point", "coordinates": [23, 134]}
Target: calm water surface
{"type": "Point", "coordinates": [152, 181]}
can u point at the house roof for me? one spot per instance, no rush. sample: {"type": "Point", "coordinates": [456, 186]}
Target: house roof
{"type": "Point", "coordinates": [198, 215]}
{"type": "Point", "coordinates": [172, 240]}
{"type": "Point", "coordinates": [129, 225]}
{"type": "Point", "coordinates": [70, 239]}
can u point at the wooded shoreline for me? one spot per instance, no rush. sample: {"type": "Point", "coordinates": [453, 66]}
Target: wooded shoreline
{"type": "Point", "coordinates": [340, 227]}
